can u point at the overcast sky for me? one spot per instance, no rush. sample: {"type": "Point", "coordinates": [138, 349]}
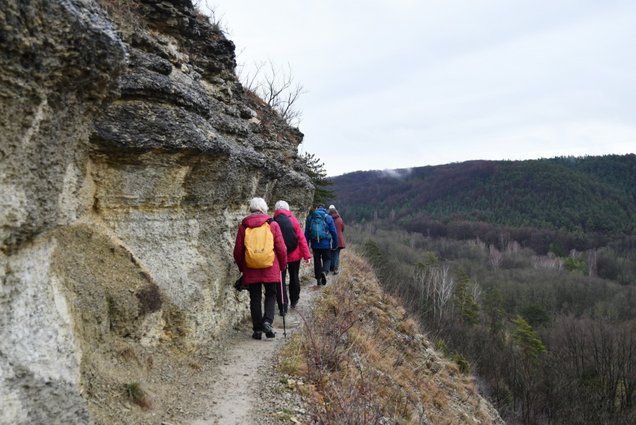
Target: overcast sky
{"type": "Point", "coordinates": [404, 83]}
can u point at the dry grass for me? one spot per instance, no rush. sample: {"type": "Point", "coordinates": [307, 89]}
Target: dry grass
{"type": "Point", "coordinates": [193, 364]}
{"type": "Point", "coordinates": [125, 13]}
{"type": "Point", "coordinates": [366, 362]}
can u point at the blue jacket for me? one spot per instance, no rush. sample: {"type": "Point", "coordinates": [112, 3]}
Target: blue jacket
{"type": "Point", "coordinates": [323, 243]}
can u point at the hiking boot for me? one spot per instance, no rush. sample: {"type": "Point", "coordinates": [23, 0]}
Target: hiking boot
{"type": "Point", "coordinates": [336, 271]}
{"type": "Point", "coordinates": [323, 278]}
{"type": "Point", "coordinates": [269, 331]}
{"type": "Point", "coordinates": [257, 335]}
{"type": "Point", "coordinates": [293, 306]}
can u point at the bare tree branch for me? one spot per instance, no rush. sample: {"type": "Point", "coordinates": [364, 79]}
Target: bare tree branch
{"type": "Point", "coordinates": [278, 89]}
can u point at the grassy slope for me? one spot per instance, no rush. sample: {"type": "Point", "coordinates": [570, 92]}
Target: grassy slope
{"type": "Point", "coordinates": [360, 358]}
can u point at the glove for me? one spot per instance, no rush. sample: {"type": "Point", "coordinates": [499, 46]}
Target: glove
{"type": "Point", "coordinates": [239, 285]}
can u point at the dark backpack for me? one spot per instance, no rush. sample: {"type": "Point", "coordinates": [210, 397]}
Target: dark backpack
{"type": "Point", "coordinates": [318, 227]}
{"type": "Point", "coordinates": [288, 231]}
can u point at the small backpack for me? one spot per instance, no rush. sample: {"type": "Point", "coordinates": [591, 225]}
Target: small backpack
{"type": "Point", "coordinates": [289, 233]}
{"type": "Point", "coordinates": [318, 228]}
{"type": "Point", "coordinates": [259, 246]}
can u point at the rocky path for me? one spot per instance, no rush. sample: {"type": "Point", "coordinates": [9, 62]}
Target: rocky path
{"type": "Point", "coordinates": [231, 381]}
{"type": "Point", "coordinates": [244, 389]}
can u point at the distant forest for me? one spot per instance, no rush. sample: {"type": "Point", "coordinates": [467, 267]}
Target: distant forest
{"type": "Point", "coordinates": [560, 203]}
{"type": "Point", "coordinates": [522, 272]}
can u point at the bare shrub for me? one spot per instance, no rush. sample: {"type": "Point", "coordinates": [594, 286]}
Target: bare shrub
{"type": "Point", "coordinates": [137, 395]}
{"type": "Point", "coordinates": [203, 12]}
{"type": "Point", "coordinates": [496, 257]}
{"type": "Point", "coordinates": [276, 86]}
{"type": "Point", "coordinates": [149, 299]}
{"type": "Point", "coordinates": [126, 13]}
{"type": "Point", "coordinates": [327, 338]}
{"type": "Point", "coordinates": [547, 262]}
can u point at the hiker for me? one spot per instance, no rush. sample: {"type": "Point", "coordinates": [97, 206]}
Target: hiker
{"type": "Point", "coordinates": [335, 252]}
{"type": "Point", "coordinates": [261, 255]}
{"type": "Point", "coordinates": [321, 233]}
{"type": "Point", "coordinates": [297, 249]}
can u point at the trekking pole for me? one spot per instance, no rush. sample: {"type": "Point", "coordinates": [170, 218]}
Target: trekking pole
{"type": "Point", "coordinates": [282, 303]}
{"type": "Point", "coordinates": [284, 328]}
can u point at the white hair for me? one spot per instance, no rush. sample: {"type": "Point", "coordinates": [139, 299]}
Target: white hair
{"type": "Point", "coordinates": [258, 205]}
{"type": "Point", "coordinates": [332, 208]}
{"type": "Point", "coordinates": [281, 205]}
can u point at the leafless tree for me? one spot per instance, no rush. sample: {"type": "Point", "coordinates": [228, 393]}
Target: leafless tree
{"type": "Point", "coordinates": [204, 10]}
{"type": "Point", "coordinates": [496, 257]}
{"type": "Point", "coordinates": [250, 80]}
{"type": "Point", "coordinates": [592, 262]}
{"type": "Point", "coordinates": [276, 87]}
{"type": "Point", "coordinates": [547, 262]}
{"type": "Point", "coordinates": [437, 287]}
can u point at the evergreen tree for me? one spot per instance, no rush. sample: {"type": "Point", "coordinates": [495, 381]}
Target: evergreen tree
{"type": "Point", "coordinates": [464, 301]}
{"type": "Point", "coordinates": [525, 378]}
{"type": "Point", "coordinates": [494, 310]}
{"type": "Point", "coordinates": [527, 340]}
{"type": "Point", "coordinates": [318, 175]}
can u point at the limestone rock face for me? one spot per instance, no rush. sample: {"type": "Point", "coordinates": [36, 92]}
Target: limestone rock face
{"type": "Point", "coordinates": [128, 153]}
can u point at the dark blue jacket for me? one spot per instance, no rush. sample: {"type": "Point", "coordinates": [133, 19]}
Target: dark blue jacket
{"type": "Point", "coordinates": [323, 243]}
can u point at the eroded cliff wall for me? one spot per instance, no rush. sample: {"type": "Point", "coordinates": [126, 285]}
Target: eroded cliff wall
{"type": "Point", "coordinates": [128, 152]}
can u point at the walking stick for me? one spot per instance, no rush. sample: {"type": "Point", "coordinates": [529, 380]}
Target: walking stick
{"type": "Point", "coordinates": [282, 302]}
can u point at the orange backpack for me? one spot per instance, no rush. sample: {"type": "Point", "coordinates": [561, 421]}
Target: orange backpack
{"type": "Point", "coordinates": [259, 246]}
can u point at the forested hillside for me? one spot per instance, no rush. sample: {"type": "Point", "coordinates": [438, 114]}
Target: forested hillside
{"type": "Point", "coordinates": [551, 341]}
{"type": "Point", "coordinates": [571, 202]}
{"type": "Point", "coordinates": [523, 271]}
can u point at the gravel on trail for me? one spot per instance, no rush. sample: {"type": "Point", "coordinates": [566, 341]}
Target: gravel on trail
{"type": "Point", "coordinates": [247, 388]}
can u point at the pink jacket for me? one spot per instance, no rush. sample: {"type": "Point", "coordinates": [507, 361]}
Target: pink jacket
{"type": "Point", "coordinates": [302, 250]}
{"type": "Point", "coordinates": [268, 275]}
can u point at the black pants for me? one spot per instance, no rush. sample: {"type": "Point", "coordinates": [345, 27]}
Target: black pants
{"type": "Point", "coordinates": [294, 284]}
{"type": "Point", "coordinates": [322, 262]}
{"type": "Point", "coordinates": [256, 295]}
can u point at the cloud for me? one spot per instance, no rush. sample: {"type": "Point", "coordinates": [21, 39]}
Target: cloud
{"type": "Point", "coordinates": [397, 174]}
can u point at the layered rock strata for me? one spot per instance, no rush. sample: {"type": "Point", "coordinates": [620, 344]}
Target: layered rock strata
{"type": "Point", "coordinates": [128, 152]}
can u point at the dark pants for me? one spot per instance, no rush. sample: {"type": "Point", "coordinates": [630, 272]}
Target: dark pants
{"type": "Point", "coordinates": [335, 259]}
{"type": "Point", "coordinates": [294, 284]}
{"type": "Point", "coordinates": [256, 294]}
{"type": "Point", "coordinates": [322, 262]}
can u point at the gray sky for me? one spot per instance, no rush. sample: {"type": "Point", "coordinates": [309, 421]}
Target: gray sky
{"type": "Point", "coordinates": [404, 83]}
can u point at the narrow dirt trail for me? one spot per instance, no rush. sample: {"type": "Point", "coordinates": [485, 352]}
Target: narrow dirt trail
{"type": "Point", "coordinates": [234, 394]}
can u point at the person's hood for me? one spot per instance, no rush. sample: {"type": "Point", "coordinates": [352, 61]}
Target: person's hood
{"type": "Point", "coordinates": [322, 210]}
{"type": "Point", "coordinates": [285, 212]}
{"type": "Point", "coordinates": [334, 215]}
{"type": "Point", "coordinates": [255, 220]}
